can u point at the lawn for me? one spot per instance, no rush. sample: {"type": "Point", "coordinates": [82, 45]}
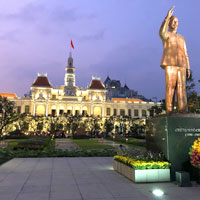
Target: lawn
{"type": "Point", "coordinates": [45, 147]}
{"type": "Point", "coordinates": [133, 142]}
{"type": "Point", "coordinates": [31, 143]}
{"type": "Point", "coordinates": [90, 144]}
{"type": "Point", "coordinates": [14, 143]}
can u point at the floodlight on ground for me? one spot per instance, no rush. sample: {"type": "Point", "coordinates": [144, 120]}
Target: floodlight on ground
{"type": "Point", "coordinates": [158, 192]}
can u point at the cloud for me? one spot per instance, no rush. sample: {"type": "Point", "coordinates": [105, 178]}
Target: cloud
{"type": "Point", "coordinates": [33, 12]}
{"type": "Point", "coordinates": [64, 15]}
{"type": "Point", "coordinates": [97, 36]}
{"type": "Point", "coordinates": [10, 36]}
{"type": "Point", "coordinates": [29, 13]}
{"type": "Point", "coordinates": [46, 19]}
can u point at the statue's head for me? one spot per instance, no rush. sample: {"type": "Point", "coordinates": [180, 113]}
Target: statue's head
{"type": "Point", "coordinates": [173, 23]}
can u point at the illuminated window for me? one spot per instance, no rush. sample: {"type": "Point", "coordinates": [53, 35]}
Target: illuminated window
{"type": "Point", "coordinates": [108, 111]}
{"type": "Point", "coordinates": [97, 111]}
{"type": "Point", "coordinates": [40, 110]}
{"type": "Point", "coordinates": [129, 112]}
{"type": "Point", "coordinates": [94, 98]}
{"type": "Point", "coordinates": [18, 109]}
{"type": "Point", "coordinates": [61, 112]}
{"type": "Point", "coordinates": [144, 113]}
{"type": "Point", "coordinates": [136, 113]}
{"type": "Point", "coordinates": [84, 112]}
{"type": "Point", "coordinates": [122, 112]}
{"type": "Point", "coordinates": [53, 111]}
{"type": "Point", "coordinates": [27, 109]}
{"type": "Point", "coordinates": [77, 112]}
{"type": "Point", "coordinates": [69, 112]}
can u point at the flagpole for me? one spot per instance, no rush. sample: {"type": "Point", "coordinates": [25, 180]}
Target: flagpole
{"type": "Point", "coordinates": [72, 46]}
{"type": "Point", "coordinates": [70, 53]}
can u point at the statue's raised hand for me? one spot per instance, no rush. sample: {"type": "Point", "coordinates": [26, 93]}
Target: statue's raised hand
{"type": "Point", "coordinates": [170, 12]}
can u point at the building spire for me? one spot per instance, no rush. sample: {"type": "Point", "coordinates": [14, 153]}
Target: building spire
{"type": "Point", "coordinates": [70, 60]}
{"type": "Point", "coordinates": [70, 85]}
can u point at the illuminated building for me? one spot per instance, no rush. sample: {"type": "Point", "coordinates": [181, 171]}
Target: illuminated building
{"type": "Point", "coordinates": [69, 99]}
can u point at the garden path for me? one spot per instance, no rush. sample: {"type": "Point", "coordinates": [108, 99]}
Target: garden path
{"type": "Point", "coordinates": [65, 144]}
{"type": "Point", "coordinates": [3, 143]}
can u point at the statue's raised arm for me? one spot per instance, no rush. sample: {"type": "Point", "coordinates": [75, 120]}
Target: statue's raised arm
{"type": "Point", "coordinates": [170, 12]}
{"type": "Point", "coordinates": [164, 27]}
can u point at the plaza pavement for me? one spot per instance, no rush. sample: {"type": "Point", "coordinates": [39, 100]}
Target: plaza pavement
{"type": "Point", "coordinates": [85, 178]}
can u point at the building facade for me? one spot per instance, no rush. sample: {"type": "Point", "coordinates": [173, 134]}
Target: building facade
{"type": "Point", "coordinates": [115, 90]}
{"type": "Point", "coordinates": [69, 99]}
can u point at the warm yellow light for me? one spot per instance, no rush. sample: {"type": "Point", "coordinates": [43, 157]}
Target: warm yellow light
{"type": "Point", "coordinates": [40, 110]}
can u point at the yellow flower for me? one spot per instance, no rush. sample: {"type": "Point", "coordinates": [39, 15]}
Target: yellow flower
{"type": "Point", "coordinates": [196, 145]}
{"type": "Point", "coordinates": [139, 164]}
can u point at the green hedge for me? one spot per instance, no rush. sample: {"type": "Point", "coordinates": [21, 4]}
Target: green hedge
{"type": "Point", "coordinates": [74, 153]}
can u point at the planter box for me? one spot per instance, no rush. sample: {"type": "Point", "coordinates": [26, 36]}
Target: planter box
{"type": "Point", "coordinates": [141, 176]}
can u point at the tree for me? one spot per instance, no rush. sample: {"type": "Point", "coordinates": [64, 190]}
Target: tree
{"type": "Point", "coordinates": [24, 126]}
{"type": "Point", "coordinates": [109, 126]}
{"type": "Point", "coordinates": [157, 110]}
{"type": "Point", "coordinates": [95, 124]}
{"type": "Point", "coordinates": [190, 85]}
{"type": "Point", "coordinates": [7, 113]}
{"type": "Point", "coordinates": [73, 123]}
{"type": "Point", "coordinates": [40, 126]}
{"type": "Point", "coordinates": [193, 98]}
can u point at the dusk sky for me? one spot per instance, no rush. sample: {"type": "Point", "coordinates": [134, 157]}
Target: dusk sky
{"type": "Point", "coordinates": [118, 38]}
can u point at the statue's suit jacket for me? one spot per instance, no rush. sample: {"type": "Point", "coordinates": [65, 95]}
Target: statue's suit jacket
{"type": "Point", "coordinates": [175, 52]}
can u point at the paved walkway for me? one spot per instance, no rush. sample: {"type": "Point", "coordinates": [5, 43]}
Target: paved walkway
{"type": "Point", "coordinates": [78, 179]}
{"type": "Point", "coordinates": [65, 144]}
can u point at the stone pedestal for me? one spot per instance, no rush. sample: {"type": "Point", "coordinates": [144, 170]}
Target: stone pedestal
{"type": "Point", "coordinates": [173, 135]}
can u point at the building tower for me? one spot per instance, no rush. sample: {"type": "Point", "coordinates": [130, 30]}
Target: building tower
{"type": "Point", "coordinates": [70, 87]}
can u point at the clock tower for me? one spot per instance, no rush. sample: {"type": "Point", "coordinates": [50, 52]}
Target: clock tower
{"type": "Point", "coordinates": [70, 87]}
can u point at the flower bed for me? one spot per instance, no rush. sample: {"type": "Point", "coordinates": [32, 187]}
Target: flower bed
{"type": "Point", "coordinates": [142, 171]}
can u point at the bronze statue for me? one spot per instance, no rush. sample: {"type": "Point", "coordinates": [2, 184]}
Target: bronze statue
{"type": "Point", "coordinates": [175, 62]}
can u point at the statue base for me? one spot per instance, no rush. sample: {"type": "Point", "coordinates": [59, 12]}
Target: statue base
{"type": "Point", "coordinates": [174, 135]}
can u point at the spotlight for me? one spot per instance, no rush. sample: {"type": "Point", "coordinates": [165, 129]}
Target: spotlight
{"type": "Point", "coordinates": [158, 192]}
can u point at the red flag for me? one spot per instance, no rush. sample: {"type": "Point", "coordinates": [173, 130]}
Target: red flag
{"type": "Point", "coordinates": [72, 44]}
